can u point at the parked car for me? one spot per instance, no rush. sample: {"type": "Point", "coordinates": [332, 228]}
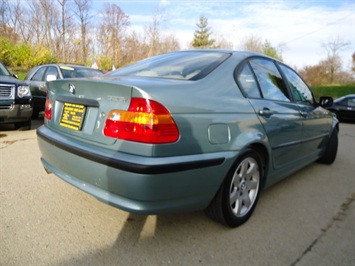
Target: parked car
{"type": "Point", "coordinates": [39, 75]}
{"type": "Point", "coordinates": [184, 131]}
{"type": "Point", "coordinates": [344, 108]}
{"type": "Point", "coordinates": [15, 100]}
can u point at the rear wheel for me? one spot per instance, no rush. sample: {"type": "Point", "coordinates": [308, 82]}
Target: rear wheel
{"type": "Point", "coordinates": [236, 199]}
{"type": "Point", "coordinates": [35, 112]}
{"type": "Point", "coordinates": [331, 150]}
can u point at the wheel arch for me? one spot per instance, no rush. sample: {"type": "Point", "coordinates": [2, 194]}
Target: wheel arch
{"type": "Point", "coordinates": [264, 156]}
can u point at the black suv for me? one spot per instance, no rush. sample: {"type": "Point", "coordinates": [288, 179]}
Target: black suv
{"type": "Point", "coordinates": [15, 100]}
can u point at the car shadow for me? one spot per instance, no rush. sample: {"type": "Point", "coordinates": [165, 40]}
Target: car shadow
{"type": "Point", "coordinates": [189, 238]}
{"type": "Point", "coordinates": [143, 237]}
{"type": "Point", "coordinates": [35, 123]}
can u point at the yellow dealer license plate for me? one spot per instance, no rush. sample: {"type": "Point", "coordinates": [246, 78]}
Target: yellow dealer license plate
{"type": "Point", "coordinates": [73, 116]}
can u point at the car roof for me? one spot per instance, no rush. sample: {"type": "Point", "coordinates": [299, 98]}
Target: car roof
{"type": "Point", "coordinates": [344, 97]}
{"type": "Point", "coordinates": [241, 54]}
{"type": "Point", "coordinates": [62, 64]}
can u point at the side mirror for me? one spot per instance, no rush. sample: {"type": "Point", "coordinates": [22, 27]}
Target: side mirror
{"type": "Point", "coordinates": [51, 77]}
{"type": "Point", "coordinates": [326, 101]}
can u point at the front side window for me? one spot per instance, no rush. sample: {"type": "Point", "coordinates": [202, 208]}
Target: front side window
{"type": "Point", "coordinates": [300, 91]}
{"type": "Point", "coordinates": [39, 74]}
{"type": "Point", "coordinates": [4, 71]}
{"type": "Point", "coordinates": [270, 80]}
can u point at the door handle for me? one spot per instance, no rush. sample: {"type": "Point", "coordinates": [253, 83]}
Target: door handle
{"type": "Point", "coordinates": [266, 112]}
{"type": "Point", "coordinates": [303, 113]}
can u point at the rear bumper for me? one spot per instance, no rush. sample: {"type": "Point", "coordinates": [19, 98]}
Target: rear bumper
{"type": "Point", "coordinates": [133, 183]}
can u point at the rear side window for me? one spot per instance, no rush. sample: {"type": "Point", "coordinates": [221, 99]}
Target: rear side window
{"type": "Point", "coordinates": [270, 80]}
{"type": "Point", "coordinates": [53, 72]}
{"type": "Point", "coordinates": [351, 102]}
{"type": "Point", "coordinates": [348, 102]}
{"type": "Point", "coordinates": [300, 91]}
{"type": "Point", "coordinates": [248, 83]}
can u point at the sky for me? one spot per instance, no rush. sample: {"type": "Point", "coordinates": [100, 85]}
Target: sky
{"type": "Point", "coordinates": [300, 27]}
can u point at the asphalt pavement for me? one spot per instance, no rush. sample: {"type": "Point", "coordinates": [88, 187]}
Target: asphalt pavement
{"type": "Point", "coordinates": [306, 219]}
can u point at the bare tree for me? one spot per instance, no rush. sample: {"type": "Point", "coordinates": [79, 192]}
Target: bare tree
{"type": "Point", "coordinates": [136, 48]}
{"type": "Point", "coordinates": [169, 43]}
{"type": "Point", "coordinates": [82, 11]}
{"type": "Point", "coordinates": [35, 23]}
{"type": "Point", "coordinates": [44, 24]}
{"type": "Point", "coordinates": [11, 20]}
{"type": "Point", "coordinates": [252, 43]}
{"type": "Point", "coordinates": [314, 75]}
{"type": "Point", "coordinates": [334, 64]}
{"type": "Point", "coordinates": [20, 18]}
{"type": "Point", "coordinates": [50, 17]}
{"type": "Point", "coordinates": [62, 28]}
{"type": "Point", "coordinates": [4, 18]}
{"type": "Point", "coordinates": [152, 31]}
{"type": "Point", "coordinates": [158, 41]}
{"type": "Point", "coordinates": [113, 33]}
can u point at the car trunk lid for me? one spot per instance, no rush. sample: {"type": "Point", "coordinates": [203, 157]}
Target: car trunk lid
{"type": "Point", "coordinates": [80, 107]}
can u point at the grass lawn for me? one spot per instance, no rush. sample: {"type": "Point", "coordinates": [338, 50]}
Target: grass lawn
{"type": "Point", "coordinates": [334, 91]}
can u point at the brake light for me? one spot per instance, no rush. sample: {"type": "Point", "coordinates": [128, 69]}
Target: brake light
{"type": "Point", "coordinates": [145, 121]}
{"type": "Point", "coordinates": [48, 109]}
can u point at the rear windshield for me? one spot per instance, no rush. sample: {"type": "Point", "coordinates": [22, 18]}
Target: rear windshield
{"type": "Point", "coordinates": [180, 65]}
{"type": "Point", "coordinates": [80, 72]}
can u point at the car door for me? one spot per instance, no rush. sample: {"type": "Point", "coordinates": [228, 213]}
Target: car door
{"type": "Point", "coordinates": [50, 74]}
{"type": "Point", "coordinates": [347, 108]}
{"type": "Point", "coordinates": [263, 85]}
{"type": "Point", "coordinates": [38, 96]}
{"type": "Point", "coordinates": [316, 120]}
{"type": "Point", "coordinates": [36, 81]}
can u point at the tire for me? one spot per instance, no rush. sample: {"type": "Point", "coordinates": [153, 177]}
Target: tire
{"type": "Point", "coordinates": [238, 195]}
{"type": "Point", "coordinates": [330, 153]}
{"type": "Point", "coordinates": [35, 112]}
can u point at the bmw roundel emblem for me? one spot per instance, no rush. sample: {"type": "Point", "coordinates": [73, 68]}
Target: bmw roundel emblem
{"type": "Point", "coordinates": [71, 88]}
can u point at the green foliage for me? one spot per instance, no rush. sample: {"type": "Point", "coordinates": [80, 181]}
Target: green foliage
{"type": "Point", "coordinates": [271, 51]}
{"type": "Point", "coordinates": [202, 36]}
{"type": "Point", "coordinates": [40, 55]}
{"type": "Point", "coordinates": [20, 73]}
{"type": "Point", "coordinates": [334, 91]}
{"type": "Point", "coordinates": [105, 63]}
{"type": "Point", "coordinates": [6, 49]}
{"type": "Point", "coordinates": [23, 55]}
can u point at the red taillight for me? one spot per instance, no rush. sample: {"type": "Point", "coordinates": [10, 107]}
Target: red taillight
{"type": "Point", "coordinates": [48, 109]}
{"type": "Point", "coordinates": [145, 121]}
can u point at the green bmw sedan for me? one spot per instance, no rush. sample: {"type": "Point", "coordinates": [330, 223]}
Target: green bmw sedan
{"type": "Point", "coordinates": [185, 131]}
